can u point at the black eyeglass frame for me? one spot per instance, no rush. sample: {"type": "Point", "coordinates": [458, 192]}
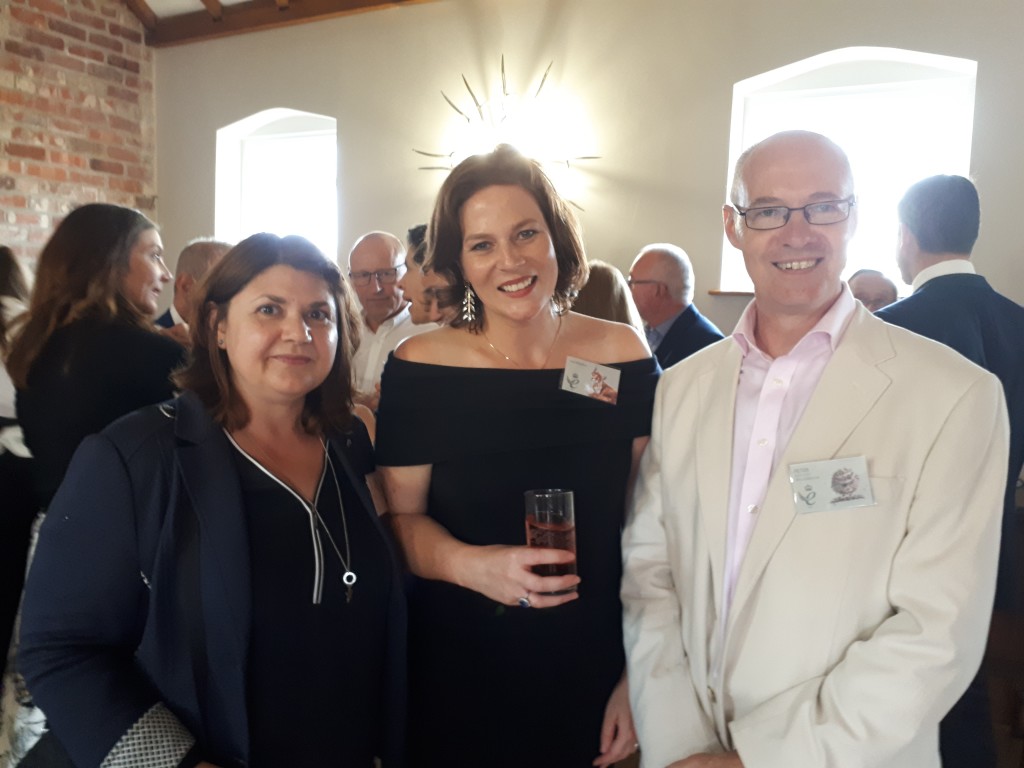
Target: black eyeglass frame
{"type": "Point", "coordinates": [849, 202]}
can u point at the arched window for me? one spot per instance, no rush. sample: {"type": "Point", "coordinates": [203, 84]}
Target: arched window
{"type": "Point", "coordinates": [277, 171]}
{"type": "Point", "coordinates": [900, 115]}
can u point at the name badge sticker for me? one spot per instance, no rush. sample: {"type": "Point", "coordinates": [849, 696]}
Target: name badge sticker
{"type": "Point", "coordinates": [588, 379]}
{"type": "Point", "coordinates": [820, 486]}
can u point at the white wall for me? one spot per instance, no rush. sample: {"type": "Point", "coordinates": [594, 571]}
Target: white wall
{"type": "Point", "coordinates": [656, 77]}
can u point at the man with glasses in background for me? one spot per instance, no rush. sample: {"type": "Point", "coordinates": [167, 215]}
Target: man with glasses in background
{"type": "Point", "coordinates": [661, 281]}
{"type": "Point", "coordinates": [375, 263]}
{"type": "Point", "coordinates": [809, 558]}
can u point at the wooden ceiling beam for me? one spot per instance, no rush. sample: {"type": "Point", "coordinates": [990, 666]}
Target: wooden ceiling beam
{"type": "Point", "coordinates": [213, 7]}
{"type": "Point", "coordinates": [143, 13]}
{"type": "Point", "coordinates": [255, 15]}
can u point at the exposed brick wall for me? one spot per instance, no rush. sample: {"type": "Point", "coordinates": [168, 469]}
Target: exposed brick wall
{"type": "Point", "coordinates": [77, 114]}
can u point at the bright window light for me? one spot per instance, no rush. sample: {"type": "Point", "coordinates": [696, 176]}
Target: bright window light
{"type": "Point", "coordinates": [899, 115]}
{"type": "Point", "coordinates": [277, 172]}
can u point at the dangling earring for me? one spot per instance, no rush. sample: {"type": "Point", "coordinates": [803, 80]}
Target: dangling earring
{"type": "Point", "coordinates": [469, 307]}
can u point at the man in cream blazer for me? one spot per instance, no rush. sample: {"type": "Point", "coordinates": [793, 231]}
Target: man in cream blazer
{"type": "Point", "coordinates": [809, 556]}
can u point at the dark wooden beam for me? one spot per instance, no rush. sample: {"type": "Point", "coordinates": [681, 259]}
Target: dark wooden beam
{"type": "Point", "coordinates": [256, 15]}
{"type": "Point", "coordinates": [143, 13]}
{"type": "Point", "coordinates": [214, 8]}
{"type": "Point", "coordinates": [282, 4]}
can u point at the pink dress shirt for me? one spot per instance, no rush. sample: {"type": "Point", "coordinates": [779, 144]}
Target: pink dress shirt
{"type": "Point", "coordinates": [770, 399]}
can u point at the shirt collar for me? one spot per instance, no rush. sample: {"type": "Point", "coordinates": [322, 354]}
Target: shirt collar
{"type": "Point", "coordinates": [831, 326]}
{"type": "Point", "coordinates": [943, 268]}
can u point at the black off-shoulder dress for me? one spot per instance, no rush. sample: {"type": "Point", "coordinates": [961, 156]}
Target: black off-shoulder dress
{"type": "Point", "coordinates": [490, 684]}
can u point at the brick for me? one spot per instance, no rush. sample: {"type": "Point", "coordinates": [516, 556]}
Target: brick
{"type": "Point", "coordinates": [85, 178]}
{"type": "Point", "coordinates": [104, 72]}
{"type": "Point", "coordinates": [86, 115]}
{"type": "Point", "coordinates": [64, 28]}
{"type": "Point", "coordinates": [122, 63]}
{"type": "Point", "coordinates": [50, 7]}
{"type": "Point", "coordinates": [145, 202]}
{"type": "Point", "coordinates": [66, 62]}
{"type": "Point", "coordinates": [82, 145]}
{"type": "Point", "coordinates": [7, 182]}
{"type": "Point", "coordinates": [131, 35]}
{"type": "Point", "coordinates": [46, 172]}
{"type": "Point", "coordinates": [106, 42]}
{"type": "Point", "coordinates": [85, 52]}
{"type": "Point", "coordinates": [19, 48]}
{"type": "Point", "coordinates": [126, 155]}
{"type": "Point", "coordinates": [120, 124]}
{"type": "Point", "coordinates": [125, 185]}
{"type": "Point", "coordinates": [25, 16]}
{"type": "Point", "coordinates": [140, 172]}
{"type": "Point", "coordinates": [13, 201]}
{"type": "Point", "coordinates": [42, 38]}
{"type": "Point", "coordinates": [124, 94]}
{"type": "Point", "coordinates": [88, 19]}
{"type": "Point", "coordinates": [26, 150]}
{"type": "Point", "coordinates": [66, 158]}
{"type": "Point", "coordinates": [105, 166]}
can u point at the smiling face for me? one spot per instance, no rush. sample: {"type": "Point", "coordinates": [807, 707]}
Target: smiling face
{"type": "Point", "coordinates": [507, 253]}
{"type": "Point", "coordinates": [796, 268]}
{"type": "Point", "coordinates": [280, 335]}
{"type": "Point", "coordinates": [147, 274]}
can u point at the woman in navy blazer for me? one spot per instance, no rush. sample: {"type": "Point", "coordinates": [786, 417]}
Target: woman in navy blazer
{"type": "Point", "coordinates": [212, 585]}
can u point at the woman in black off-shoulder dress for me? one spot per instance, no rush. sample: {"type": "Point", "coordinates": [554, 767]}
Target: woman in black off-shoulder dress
{"type": "Point", "coordinates": [471, 417]}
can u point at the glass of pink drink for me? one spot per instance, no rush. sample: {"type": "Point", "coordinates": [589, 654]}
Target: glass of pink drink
{"type": "Point", "coordinates": [550, 523]}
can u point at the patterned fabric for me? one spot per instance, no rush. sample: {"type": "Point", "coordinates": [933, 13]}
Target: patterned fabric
{"type": "Point", "coordinates": [156, 740]}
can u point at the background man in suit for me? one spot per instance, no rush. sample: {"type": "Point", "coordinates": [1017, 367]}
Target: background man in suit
{"type": "Point", "coordinates": [872, 288]}
{"type": "Point", "coordinates": [804, 584]}
{"type": "Point", "coordinates": [939, 222]}
{"type": "Point", "coordinates": [661, 280]}
{"type": "Point", "coordinates": [194, 261]}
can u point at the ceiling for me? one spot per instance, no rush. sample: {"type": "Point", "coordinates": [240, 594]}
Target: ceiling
{"type": "Point", "coordinates": [173, 22]}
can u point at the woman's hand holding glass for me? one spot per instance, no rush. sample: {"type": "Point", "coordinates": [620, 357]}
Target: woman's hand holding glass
{"type": "Point", "coordinates": [505, 574]}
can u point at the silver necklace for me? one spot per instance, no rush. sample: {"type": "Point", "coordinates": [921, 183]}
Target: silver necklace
{"type": "Point", "coordinates": [518, 365]}
{"type": "Point", "coordinates": [349, 577]}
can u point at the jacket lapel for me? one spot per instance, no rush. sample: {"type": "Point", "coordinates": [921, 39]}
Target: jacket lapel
{"type": "Point", "coordinates": [714, 457]}
{"type": "Point", "coordinates": [210, 479]}
{"type": "Point", "coordinates": [849, 388]}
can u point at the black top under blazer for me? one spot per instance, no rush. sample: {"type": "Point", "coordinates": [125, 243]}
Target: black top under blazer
{"type": "Point", "coordinates": [140, 594]}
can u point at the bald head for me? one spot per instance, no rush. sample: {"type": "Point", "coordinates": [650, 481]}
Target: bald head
{"type": "Point", "coordinates": [787, 142]}
{"type": "Point", "coordinates": [661, 279]}
{"type": "Point", "coordinates": [194, 261]}
{"type": "Point", "coordinates": [872, 288]}
{"type": "Point", "coordinates": [373, 256]}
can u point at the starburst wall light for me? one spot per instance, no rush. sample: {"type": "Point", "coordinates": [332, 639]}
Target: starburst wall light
{"type": "Point", "coordinates": [546, 123]}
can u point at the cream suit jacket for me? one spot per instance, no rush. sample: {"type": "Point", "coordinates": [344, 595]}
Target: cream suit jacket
{"type": "Point", "coordinates": [852, 632]}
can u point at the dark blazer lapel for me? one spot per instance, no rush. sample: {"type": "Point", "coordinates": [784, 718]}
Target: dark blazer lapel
{"type": "Point", "coordinates": [849, 388]}
{"type": "Point", "coordinates": [713, 432]}
{"type": "Point", "coordinates": [210, 479]}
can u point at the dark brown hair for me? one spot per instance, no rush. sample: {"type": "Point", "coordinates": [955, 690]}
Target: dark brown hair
{"type": "Point", "coordinates": [606, 295]}
{"type": "Point", "coordinates": [504, 166]}
{"type": "Point", "coordinates": [79, 275]}
{"type": "Point", "coordinates": [208, 374]}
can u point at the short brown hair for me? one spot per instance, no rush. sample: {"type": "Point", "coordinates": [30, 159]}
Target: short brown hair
{"type": "Point", "coordinates": [208, 374]}
{"type": "Point", "coordinates": [504, 166]}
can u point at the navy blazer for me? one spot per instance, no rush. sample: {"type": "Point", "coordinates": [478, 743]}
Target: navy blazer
{"type": "Point", "coordinates": [689, 333]}
{"type": "Point", "coordinates": [964, 312]}
{"type": "Point", "coordinates": [139, 593]}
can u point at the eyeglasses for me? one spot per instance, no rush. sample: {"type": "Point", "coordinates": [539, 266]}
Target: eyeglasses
{"type": "Point", "coordinates": [776, 216]}
{"type": "Point", "coordinates": [631, 282]}
{"type": "Point", "coordinates": [382, 276]}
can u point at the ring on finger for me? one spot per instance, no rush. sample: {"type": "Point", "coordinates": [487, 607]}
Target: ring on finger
{"type": "Point", "coordinates": [524, 601]}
